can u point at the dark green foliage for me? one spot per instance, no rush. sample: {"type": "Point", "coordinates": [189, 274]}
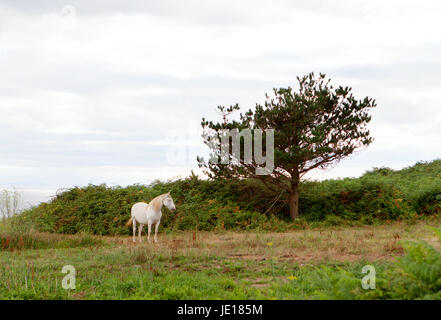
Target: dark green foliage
{"type": "Point", "coordinates": [240, 204]}
{"type": "Point", "coordinates": [416, 275]}
{"type": "Point", "coordinates": [352, 199]}
{"type": "Point", "coordinates": [420, 184]}
{"type": "Point", "coordinates": [202, 205]}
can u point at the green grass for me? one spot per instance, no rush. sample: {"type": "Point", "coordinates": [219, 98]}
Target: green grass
{"type": "Point", "coordinates": [380, 219]}
{"type": "Point", "coordinates": [125, 273]}
{"type": "Point", "coordinates": [319, 264]}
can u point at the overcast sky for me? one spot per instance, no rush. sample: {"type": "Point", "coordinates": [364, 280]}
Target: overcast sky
{"type": "Point", "coordinates": [100, 92]}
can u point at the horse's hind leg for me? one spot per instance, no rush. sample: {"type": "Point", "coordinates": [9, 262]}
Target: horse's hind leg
{"type": "Point", "coordinates": [134, 230]}
{"type": "Point", "coordinates": [139, 231]}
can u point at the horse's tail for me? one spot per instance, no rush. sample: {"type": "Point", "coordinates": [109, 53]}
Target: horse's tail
{"type": "Point", "coordinates": [129, 223]}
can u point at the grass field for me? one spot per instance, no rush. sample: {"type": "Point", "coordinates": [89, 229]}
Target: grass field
{"type": "Point", "coordinates": [319, 263]}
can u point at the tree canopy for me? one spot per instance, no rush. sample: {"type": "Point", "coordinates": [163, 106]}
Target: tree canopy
{"type": "Point", "coordinates": [314, 127]}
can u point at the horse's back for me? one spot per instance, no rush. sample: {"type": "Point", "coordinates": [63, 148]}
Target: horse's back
{"type": "Point", "coordinates": [139, 211]}
{"type": "Point", "coordinates": [139, 205]}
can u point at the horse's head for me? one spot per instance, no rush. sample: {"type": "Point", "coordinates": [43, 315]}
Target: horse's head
{"type": "Point", "coordinates": [168, 202]}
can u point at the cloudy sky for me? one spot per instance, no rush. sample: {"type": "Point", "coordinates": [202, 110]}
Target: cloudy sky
{"type": "Point", "coordinates": [113, 91]}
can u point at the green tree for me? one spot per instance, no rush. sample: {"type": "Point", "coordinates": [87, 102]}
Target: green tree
{"type": "Point", "coordinates": [314, 127]}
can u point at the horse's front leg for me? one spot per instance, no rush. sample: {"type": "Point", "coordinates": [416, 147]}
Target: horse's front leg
{"type": "Point", "coordinates": [156, 231]}
{"type": "Point", "coordinates": [139, 231]}
{"type": "Point", "coordinates": [150, 229]}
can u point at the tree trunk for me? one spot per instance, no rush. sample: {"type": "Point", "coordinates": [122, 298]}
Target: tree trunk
{"type": "Point", "coordinates": [294, 201]}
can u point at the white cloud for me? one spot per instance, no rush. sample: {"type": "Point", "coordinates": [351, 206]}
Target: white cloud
{"type": "Point", "coordinates": [94, 96]}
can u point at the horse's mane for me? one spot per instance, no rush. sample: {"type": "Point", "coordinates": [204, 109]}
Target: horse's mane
{"type": "Point", "coordinates": [157, 202]}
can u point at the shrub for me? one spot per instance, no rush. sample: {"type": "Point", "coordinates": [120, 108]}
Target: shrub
{"type": "Point", "coordinates": [379, 195]}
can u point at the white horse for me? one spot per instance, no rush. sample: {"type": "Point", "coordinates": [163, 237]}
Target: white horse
{"type": "Point", "coordinates": [149, 214]}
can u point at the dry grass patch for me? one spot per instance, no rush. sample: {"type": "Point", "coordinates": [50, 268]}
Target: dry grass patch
{"type": "Point", "coordinates": [371, 243]}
